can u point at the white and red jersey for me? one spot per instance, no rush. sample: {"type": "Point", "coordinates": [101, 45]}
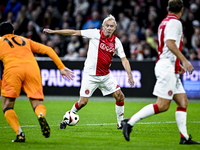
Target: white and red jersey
{"type": "Point", "coordinates": [100, 52]}
{"type": "Point", "coordinates": [170, 29]}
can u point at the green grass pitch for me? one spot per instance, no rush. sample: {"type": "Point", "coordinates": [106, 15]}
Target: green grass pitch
{"type": "Point", "coordinates": [97, 128]}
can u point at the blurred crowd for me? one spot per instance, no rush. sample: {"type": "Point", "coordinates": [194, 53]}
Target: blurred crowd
{"type": "Point", "coordinates": [137, 24]}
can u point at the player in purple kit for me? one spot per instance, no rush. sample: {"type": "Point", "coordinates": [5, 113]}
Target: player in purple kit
{"type": "Point", "coordinates": [103, 44]}
{"type": "Point", "coordinates": [168, 85]}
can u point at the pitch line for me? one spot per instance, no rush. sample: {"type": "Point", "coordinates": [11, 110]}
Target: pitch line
{"type": "Point", "coordinates": [106, 124]}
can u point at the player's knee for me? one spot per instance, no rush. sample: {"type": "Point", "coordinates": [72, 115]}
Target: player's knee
{"type": "Point", "coordinates": [7, 108]}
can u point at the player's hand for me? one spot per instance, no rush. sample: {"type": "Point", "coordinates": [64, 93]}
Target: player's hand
{"type": "Point", "coordinates": [47, 31]}
{"type": "Point", "coordinates": [67, 73]}
{"type": "Point", "coordinates": [181, 70]}
{"type": "Point", "coordinates": [130, 81]}
{"type": "Point", "coordinates": [188, 67]}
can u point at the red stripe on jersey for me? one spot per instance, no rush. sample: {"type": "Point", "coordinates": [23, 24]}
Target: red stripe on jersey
{"type": "Point", "coordinates": [177, 63]}
{"type": "Point", "coordinates": [161, 39]}
{"type": "Point", "coordinates": [105, 53]}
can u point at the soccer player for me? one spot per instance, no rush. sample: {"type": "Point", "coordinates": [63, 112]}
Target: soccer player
{"type": "Point", "coordinates": [103, 44]}
{"type": "Point", "coordinates": [22, 71]}
{"type": "Point", "coordinates": [168, 85]}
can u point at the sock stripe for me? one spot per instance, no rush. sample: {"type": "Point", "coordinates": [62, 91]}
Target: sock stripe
{"type": "Point", "coordinates": [156, 110]}
{"type": "Point", "coordinates": [182, 135]}
{"type": "Point", "coordinates": [7, 109]}
{"type": "Point", "coordinates": [119, 103]}
{"type": "Point", "coordinates": [181, 109]}
{"type": "Point", "coordinates": [76, 105]}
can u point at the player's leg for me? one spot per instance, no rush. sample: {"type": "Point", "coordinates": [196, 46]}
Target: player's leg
{"type": "Point", "coordinates": [163, 89]}
{"type": "Point", "coordinates": [38, 107]}
{"type": "Point", "coordinates": [76, 107]}
{"type": "Point", "coordinates": [10, 89]}
{"type": "Point", "coordinates": [181, 118]}
{"type": "Point", "coordinates": [108, 86]}
{"type": "Point", "coordinates": [32, 86]}
{"type": "Point", "coordinates": [40, 111]}
{"type": "Point", "coordinates": [119, 107]}
{"type": "Point", "coordinates": [161, 105]}
{"type": "Point", "coordinates": [88, 85]}
{"type": "Point", "coordinates": [11, 118]}
{"type": "Point", "coordinates": [79, 104]}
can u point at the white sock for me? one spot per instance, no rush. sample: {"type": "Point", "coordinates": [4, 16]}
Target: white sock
{"type": "Point", "coordinates": [20, 130]}
{"type": "Point", "coordinates": [74, 108]}
{"type": "Point", "coordinates": [120, 114]}
{"type": "Point", "coordinates": [181, 123]}
{"type": "Point", "coordinates": [143, 113]}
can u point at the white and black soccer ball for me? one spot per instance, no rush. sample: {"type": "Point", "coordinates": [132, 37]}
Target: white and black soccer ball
{"type": "Point", "coordinates": [71, 118]}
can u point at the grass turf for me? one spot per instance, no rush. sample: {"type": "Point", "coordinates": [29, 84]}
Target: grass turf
{"type": "Point", "coordinates": [97, 128]}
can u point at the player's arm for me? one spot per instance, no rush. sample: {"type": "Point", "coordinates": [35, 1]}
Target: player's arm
{"type": "Point", "coordinates": [43, 49]}
{"type": "Point", "coordinates": [174, 49]}
{"type": "Point", "coordinates": [64, 32]}
{"type": "Point", "coordinates": [127, 67]}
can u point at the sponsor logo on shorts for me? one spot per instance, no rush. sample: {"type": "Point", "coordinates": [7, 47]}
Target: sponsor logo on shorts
{"type": "Point", "coordinates": [170, 93]}
{"type": "Point", "coordinates": [87, 91]}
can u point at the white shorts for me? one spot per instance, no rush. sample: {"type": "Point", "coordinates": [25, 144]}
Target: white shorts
{"type": "Point", "coordinates": [107, 84]}
{"type": "Point", "coordinates": [168, 83]}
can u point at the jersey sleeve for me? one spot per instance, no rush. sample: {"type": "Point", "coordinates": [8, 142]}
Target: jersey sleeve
{"type": "Point", "coordinates": [90, 33]}
{"type": "Point", "coordinates": [119, 49]}
{"type": "Point", "coordinates": [173, 29]}
{"type": "Point", "coordinates": [43, 49]}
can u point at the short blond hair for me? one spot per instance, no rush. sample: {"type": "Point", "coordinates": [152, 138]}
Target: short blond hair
{"type": "Point", "coordinates": [109, 17]}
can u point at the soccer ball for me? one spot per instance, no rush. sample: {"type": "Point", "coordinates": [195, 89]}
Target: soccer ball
{"type": "Point", "coordinates": [71, 118]}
